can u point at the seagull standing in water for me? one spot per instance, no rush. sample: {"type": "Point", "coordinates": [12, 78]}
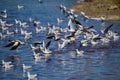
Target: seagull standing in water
{"type": "Point", "coordinates": [20, 7]}
{"type": "Point", "coordinates": [26, 67]}
{"type": "Point", "coordinates": [31, 76]}
{"type": "Point", "coordinates": [59, 21]}
{"type": "Point", "coordinates": [79, 53]}
{"type": "Point", "coordinates": [7, 65]}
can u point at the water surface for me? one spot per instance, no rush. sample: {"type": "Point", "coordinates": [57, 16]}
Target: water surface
{"type": "Point", "coordinates": [97, 64]}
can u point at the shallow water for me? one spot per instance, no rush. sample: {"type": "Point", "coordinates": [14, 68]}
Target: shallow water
{"type": "Point", "coordinates": [96, 64]}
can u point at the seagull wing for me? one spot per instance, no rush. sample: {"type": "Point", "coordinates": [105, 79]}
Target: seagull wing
{"type": "Point", "coordinates": [47, 44]}
{"type": "Point", "coordinates": [95, 39]}
{"type": "Point", "coordinates": [72, 35]}
{"type": "Point", "coordinates": [11, 43]}
{"type": "Point", "coordinates": [85, 30]}
{"type": "Point", "coordinates": [37, 43]}
{"type": "Point", "coordinates": [15, 46]}
{"type": "Point", "coordinates": [90, 27]}
{"type": "Point", "coordinates": [107, 29]}
{"type": "Point", "coordinates": [77, 22]}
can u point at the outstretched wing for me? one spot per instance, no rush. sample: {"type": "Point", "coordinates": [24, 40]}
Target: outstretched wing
{"type": "Point", "coordinates": [15, 46]}
{"type": "Point", "coordinates": [77, 22]}
{"type": "Point", "coordinates": [47, 44]}
{"type": "Point", "coordinates": [90, 27]}
{"type": "Point", "coordinates": [107, 29]}
{"type": "Point", "coordinates": [37, 43]}
{"type": "Point", "coordinates": [11, 43]}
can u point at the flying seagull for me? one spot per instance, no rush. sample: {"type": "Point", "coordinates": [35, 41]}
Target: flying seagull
{"type": "Point", "coordinates": [14, 43]}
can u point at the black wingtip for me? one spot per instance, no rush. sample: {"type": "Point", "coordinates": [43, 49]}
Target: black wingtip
{"type": "Point", "coordinates": [77, 22]}
{"type": "Point", "coordinates": [90, 27]}
{"type": "Point", "coordinates": [107, 29]}
{"type": "Point", "coordinates": [48, 44]}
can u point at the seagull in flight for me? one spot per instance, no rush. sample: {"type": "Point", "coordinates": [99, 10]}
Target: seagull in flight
{"type": "Point", "coordinates": [14, 43]}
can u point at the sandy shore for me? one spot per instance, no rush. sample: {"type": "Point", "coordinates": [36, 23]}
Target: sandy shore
{"type": "Point", "coordinates": [109, 9]}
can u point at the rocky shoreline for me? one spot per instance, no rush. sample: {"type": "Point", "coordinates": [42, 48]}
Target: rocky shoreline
{"type": "Point", "coordinates": [109, 9]}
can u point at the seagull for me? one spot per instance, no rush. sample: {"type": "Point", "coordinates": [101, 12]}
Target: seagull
{"type": "Point", "coordinates": [105, 40]}
{"type": "Point", "coordinates": [45, 48]}
{"type": "Point", "coordinates": [71, 26]}
{"type": "Point", "coordinates": [6, 65]}
{"type": "Point", "coordinates": [23, 24]}
{"type": "Point", "coordinates": [59, 21]}
{"type": "Point", "coordinates": [36, 23]}
{"type": "Point", "coordinates": [4, 11]}
{"type": "Point", "coordinates": [31, 19]}
{"type": "Point", "coordinates": [17, 21]}
{"type": "Point", "coordinates": [116, 37]}
{"type": "Point", "coordinates": [14, 43]}
{"type": "Point", "coordinates": [36, 56]}
{"type": "Point", "coordinates": [64, 43]}
{"type": "Point", "coordinates": [4, 16]}
{"type": "Point", "coordinates": [108, 28]}
{"type": "Point", "coordinates": [31, 76]}
{"type": "Point", "coordinates": [20, 7]}
{"type": "Point", "coordinates": [79, 53]}
{"type": "Point", "coordinates": [84, 42]}
{"type": "Point", "coordinates": [46, 51]}
{"type": "Point", "coordinates": [83, 29]}
{"type": "Point", "coordinates": [84, 17]}
{"type": "Point", "coordinates": [9, 33]}
{"type": "Point", "coordinates": [41, 29]}
{"type": "Point", "coordinates": [26, 67]}
{"type": "Point", "coordinates": [63, 9]}
{"type": "Point", "coordinates": [28, 35]}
